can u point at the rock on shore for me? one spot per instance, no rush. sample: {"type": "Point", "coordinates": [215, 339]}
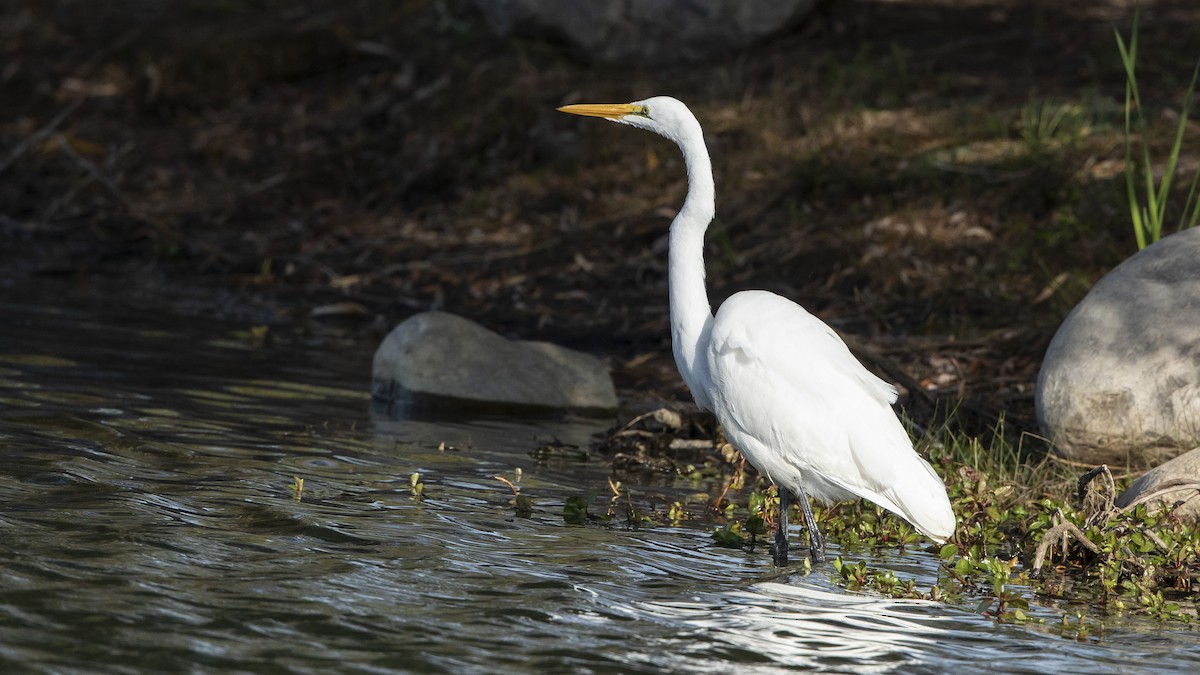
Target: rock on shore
{"type": "Point", "coordinates": [1120, 383]}
{"type": "Point", "coordinates": [437, 361]}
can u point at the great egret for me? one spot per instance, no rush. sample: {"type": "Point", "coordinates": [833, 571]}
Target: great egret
{"type": "Point", "coordinates": [782, 384]}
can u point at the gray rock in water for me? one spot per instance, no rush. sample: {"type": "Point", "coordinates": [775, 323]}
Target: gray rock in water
{"type": "Point", "coordinates": [437, 361]}
{"type": "Point", "coordinates": [662, 31]}
{"type": "Point", "coordinates": [1183, 472]}
{"type": "Point", "coordinates": [1120, 383]}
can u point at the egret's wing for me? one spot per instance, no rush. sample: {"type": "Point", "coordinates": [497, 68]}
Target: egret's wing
{"type": "Point", "coordinates": [793, 398]}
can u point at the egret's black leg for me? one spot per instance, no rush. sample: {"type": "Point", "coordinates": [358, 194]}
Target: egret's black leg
{"type": "Point", "coordinates": [816, 542]}
{"type": "Point", "coordinates": [779, 551]}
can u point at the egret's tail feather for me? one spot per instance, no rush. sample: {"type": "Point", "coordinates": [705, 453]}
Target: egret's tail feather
{"type": "Point", "coordinates": [919, 496]}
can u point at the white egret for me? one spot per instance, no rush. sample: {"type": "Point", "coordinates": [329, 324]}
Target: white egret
{"type": "Point", "coordinates": [786, 389]}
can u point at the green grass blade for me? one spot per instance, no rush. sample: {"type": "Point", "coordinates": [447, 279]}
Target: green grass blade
{"type": "Point", "coordinates": [1139, 230]}
{"type": "Point", "coordinates": [1148, 219]}
{"type": "Point", "coordinates": [1135, 214]}
{"type": "Point", "coordinates": [1192, 205]}
{"type": "Point", "coordinates": [1173, 160]}
{"type": "Point", "coordinates": [1151, 220]}
{"type": "Point", "coordinates": [1133, 99]}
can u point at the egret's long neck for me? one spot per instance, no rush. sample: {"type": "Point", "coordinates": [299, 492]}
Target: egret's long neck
{"type": "Point", "coordinates": [691, 315]}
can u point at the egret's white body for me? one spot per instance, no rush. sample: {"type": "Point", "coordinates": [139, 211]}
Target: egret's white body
{"type": "Point", "coordinates": [782, 384]}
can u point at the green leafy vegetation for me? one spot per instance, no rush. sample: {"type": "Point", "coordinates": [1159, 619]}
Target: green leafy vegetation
{"type": "Point", "coordinates": [1011, 553]}
{"type": "Point", "coordinates": [575, 511]}
{"type": "Point", "coordinates": [522, 504]}
{"type": "Point", "coordinates": [1035, 543]}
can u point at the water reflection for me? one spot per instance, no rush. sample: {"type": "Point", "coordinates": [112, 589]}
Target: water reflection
{"type": "Point", "coordinates": [799, 625]}
{"type": "Point", "coordinates": [148, 521]}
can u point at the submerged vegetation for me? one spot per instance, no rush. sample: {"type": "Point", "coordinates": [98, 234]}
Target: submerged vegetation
{"type": "Point", "coordinates": [1035, 541]}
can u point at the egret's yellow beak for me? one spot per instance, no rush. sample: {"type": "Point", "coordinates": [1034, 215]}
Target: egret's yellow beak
{"type": "Point", "coordinates": [612, 111]}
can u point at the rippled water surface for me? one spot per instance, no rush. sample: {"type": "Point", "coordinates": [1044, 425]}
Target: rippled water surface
{"type": "Point", "coordinates": [148, 521]}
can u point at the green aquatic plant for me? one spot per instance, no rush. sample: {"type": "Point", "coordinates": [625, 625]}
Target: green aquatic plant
{"type": "Point", "coordinates": [677, 513]}
{"type": "Point", "coordinates": [1148, 219]}
{"type": "Point", "coordinates": [522, 503]}
{"type": "Point", "coordinates": [1028, 540]}
{"type": "Point", "coordinates": [857, 576]}
{"type": "Point", "coordinates": [730, 535]}
{"type": "Point", "coordinates": [1011, 559]}
{"type": "Point", "coordinates": [1080, 629]}
{"type": "Point", "coordinates": [1122, 560]}
{"type": "Point", "coordinates": [743, 533]}
{"type": "Point", "coordinates": [575, 510]}
{"type": "Point", "coordinates": [633, 516]}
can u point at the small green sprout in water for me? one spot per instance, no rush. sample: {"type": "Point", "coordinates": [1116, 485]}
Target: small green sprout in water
{"type": "Point", "coordinates": [730, 536]}
{"type": "Point", "coordinates": [1080, 629]}
{"type": "Point", "coordinates": [418, 488]}
{"type": "Point", "coordinates": [677, 513]}
{"type": "Point", "coordinates": [857, 576]}
{"type": "Point", "coordinates": [259, 336]}
{"type": "Point", "coordinates": [1009, 604]}
{"type": "Point", "coordinates": [633, 517]}
{"type": "Point", "coordinates": [575, 510]}
{"type": "Point", "coordinates": [523, 504]}
{"type": "Point", "coordinates": [756, 526]}
{"type": "Point", "coordinates": [297, 487]}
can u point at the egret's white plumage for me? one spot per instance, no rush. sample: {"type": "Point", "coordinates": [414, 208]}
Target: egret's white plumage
{"type": "Point", "coordinates": [782, 383]}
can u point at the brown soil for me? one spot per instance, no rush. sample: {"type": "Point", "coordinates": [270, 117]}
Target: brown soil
{"type": "Point", "coordinates": [329, 168]}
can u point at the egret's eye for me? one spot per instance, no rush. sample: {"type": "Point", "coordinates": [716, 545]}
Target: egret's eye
{"type": "Point", "coordinates": [641, 111]}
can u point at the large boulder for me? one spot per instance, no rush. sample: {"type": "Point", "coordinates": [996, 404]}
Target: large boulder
{"type": "Point", "coordinates": [1120, 383]}
{"type": "Point", "coordinates": [437, 361]}
{"type": "Point", "coordinates": [662, 31]}
{"type": "Point", "coordinates": [1168, 484]}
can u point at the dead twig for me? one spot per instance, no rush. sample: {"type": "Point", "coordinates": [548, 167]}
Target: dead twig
{"type": "Point", "coordinates": [1106, 510]}
{"type": "Point", "coordinates": [1061, 531]}
{"type": "Point", "coordinates": [1174, 485]}
{"type": "Point", "coordinates": [40, 135]}
{"type": "Point", "coordinates": [516, 491]}
{"type": "Point", "coordinates": [94, 171]}
{"type": "Point", "coordinates": [1103, 513]}
{"type": "Point", "coordinates": [1087, 478]}
{"type": "Point", "coordinates": [664, 416]}
{"type": "Point", "coordinates": [1155, 538]}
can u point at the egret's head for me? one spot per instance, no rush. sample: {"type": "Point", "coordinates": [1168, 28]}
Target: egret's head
{"type": "Point", "coordinates": [663, 115]}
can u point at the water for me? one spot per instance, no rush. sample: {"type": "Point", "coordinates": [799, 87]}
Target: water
{"type": "Point", "coordinates": [148, 522]}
